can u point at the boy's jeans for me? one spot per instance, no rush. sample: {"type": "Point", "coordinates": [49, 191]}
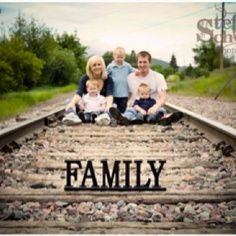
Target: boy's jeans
{"type": "Point", "coordinates": [132, 114]}
{"type": "Point", "coordinates": [88, 116]}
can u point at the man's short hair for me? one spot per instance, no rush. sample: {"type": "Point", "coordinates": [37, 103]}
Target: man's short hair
{"type": "Point", "coordinates": [145, 54]}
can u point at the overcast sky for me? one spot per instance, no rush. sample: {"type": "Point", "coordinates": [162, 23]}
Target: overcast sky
{"type": "Point", "coordinates": [160, 28]}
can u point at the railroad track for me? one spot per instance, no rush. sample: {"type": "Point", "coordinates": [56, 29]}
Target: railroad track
{"type": "Point", "coordinates": [199, 176]}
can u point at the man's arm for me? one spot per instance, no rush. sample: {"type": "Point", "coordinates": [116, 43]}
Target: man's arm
{"type": "Point", "coordinates": [161, 99]}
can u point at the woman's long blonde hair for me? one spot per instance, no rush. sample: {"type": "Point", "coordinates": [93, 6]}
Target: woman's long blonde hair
{"type": "Point", "coordinates": [91, 61]}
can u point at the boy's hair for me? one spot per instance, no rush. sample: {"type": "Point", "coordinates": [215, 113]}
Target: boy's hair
{"type": "Point", "coordinates": [118, 50]}
{"type": "Point", "coordinates": [92, 83]}
{"type": "Point", "coordinates": [91, 61]}
{"type": "Point", "coordinates": [143, 87]}
{"type": "Point", "coordinates": [145, 54]}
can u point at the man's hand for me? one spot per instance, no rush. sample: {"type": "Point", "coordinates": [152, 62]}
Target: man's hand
{"type": "Point", "coordinates": [137, 72]}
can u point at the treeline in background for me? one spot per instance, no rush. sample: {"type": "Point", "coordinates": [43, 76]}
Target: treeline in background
{"type": "Point", "coordinates": [33, 55]}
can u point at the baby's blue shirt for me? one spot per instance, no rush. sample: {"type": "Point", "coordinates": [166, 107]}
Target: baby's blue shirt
{"type": "Point", "coordinates": [119, 74]}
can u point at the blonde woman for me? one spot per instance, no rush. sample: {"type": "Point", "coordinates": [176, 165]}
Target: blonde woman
{"type": "Point", "coordinates": [95, 70]}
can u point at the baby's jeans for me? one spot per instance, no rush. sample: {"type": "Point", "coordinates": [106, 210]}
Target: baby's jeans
{"type": "Point", "coordinates": [132, 114]}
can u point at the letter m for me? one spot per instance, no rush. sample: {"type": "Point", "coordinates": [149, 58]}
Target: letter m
{"type": "Point", "coordinates": [110, 177]}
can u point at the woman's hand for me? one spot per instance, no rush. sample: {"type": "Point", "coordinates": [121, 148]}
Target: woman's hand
{"type": "Point", "coordinates": [109, 102]}
{"type": "Point", "coordinates": [72, 103]}
{"type": "Point", "coordinates": [107, 108]}
{"type": "Point", "coordinates": [70, 106]}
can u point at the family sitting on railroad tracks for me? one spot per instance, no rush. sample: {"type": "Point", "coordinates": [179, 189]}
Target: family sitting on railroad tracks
{"type": "Point", "coordinates": [120, 93]}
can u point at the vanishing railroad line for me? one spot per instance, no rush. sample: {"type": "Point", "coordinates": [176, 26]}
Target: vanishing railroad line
{"type": "Point", "coordinates": [199, 176]}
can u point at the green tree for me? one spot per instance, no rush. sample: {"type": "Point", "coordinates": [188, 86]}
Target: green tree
{"type": "Point", "coordinates": [132, 58]}
{"type": "Point", "coordinates": [165, 71]}
{"type": "Point", "coordinates": [108, 57]}
{"type": "Point", "coordinates": [37, 37]}
{"type": "Point", "coordinates": [189, 70]}
{"type": "Point", "coordinates": [7, 82]}
{"type": "Point", "coordinates": [72, 43]}
{"type": "Point", "coordinates": [24, 67]}
{"type": "Point", "coordinates": [207, 56]}
{"type": "Point", "coordinates": [41, 41]}
{"type": "Point", "coordinates": [61, 68]}
{"type": "Point", "coordinates": [173, 63]}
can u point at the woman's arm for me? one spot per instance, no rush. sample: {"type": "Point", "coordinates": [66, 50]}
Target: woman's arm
{"type": "Point", "coordinates": [103, 107]}
{"type": "Point", "coordinates": [76, 99]}
{"type": "Point", "coordinates": [109, 91]}
{"type": "Point", "coordinates": [78, 96]}
{"type": "Point", "coordinates": [109, 102]}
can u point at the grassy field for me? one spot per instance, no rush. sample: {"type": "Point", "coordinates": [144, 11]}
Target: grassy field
{"type": "Point", "coordinates": [208, 86]}
{"type": "Point", "coordinates": [17, 102]}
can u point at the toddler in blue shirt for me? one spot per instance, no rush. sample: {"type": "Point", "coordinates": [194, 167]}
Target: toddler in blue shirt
{"type": "Point", "coordinates": [138, 113]}
{"type": "Point", "coordinates": [119, 70]}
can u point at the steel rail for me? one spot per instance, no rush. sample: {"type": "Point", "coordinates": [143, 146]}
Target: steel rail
{"type": "Point", "coordinates": [214, 130]}
{"type": "Point", "coordinates": [15, 132]}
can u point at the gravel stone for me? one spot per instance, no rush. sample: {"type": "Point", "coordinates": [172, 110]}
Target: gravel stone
{"type": "Point", "coordinates": [61, 204]}
{"type": "Point", "coordinates": [98, 215]}
{"type": "Point", "coordinates": [179, 217]}
{"type": "Point", "coordinates": [120, 204]}
{"type": "Point", "coordinates": [204, 216]}
{"type": "Point", "coordinates": [188, 220]}
{"type": "Point", "coordinates": [157, 217]}
{"type": "Point", "coordinates": [98, 205]}
{"type": "Point", "coordinates": [132, 208]}
{"type": "Point", "coordinates": [189, 209]}
{"type": "Point", "coordinates": [232, 204]}
{"type": "Point", "coordinates": [177, 210]}
{"type": "Point", "coordinates": [86, 208]}
{"type": "Point", "coordinates": [199, 169]}
{"type": "Point", "coordinates": [218, 110]}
